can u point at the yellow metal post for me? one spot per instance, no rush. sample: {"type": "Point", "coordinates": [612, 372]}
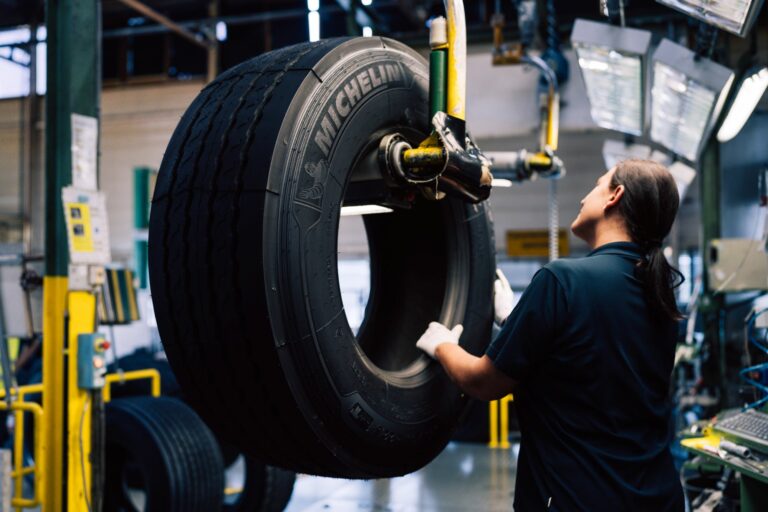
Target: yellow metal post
{"type": "Point", "coordinates": [493, 422]}
{"type": "Point", "coordinates": [504, 416]}
{"type": "Point", "coordinates": [82, 315]}
{"type": "Point", "coordinates": [498, 422]}
{"type": "Point", "coordinates": [18, 454]}
{"type": "Point", "coordinates": [553, 120]}
{"type": "Point", "coordinates": [457, 59]}
{"type": "Point", "coordinates": [54, 393]}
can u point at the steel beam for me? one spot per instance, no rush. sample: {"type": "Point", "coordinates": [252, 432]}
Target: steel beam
{"type": "Point", "coordinates": [711, 304]}
{"type": "Point", "coordinates": [167, 22]}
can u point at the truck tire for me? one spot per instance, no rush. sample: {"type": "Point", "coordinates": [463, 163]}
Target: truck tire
{"type": "Point", "coordinates": [265, 489]}
{"type": "Point", "coordinates": [243, 264]}
{"type": "Point", "coordinates": [168, 446]}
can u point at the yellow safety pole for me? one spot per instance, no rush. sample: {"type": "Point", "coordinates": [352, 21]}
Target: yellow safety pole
{"type": "Point", "coordinates": [553, 119]}
{"type": "Point", "coordinates": [54, 393]}
{"type": "Point", "coordinates": [82, 316]}
{"type": "Point", "coordinates": [498, 423]}
{"type": "Point", "coordinates": [457, 59]}
{"type": "Point", "coordinates": [504, 429]}
{"type": "Point", "coordinates": [493, 422]}
{"type": "Point", "coordinates": [18, 454]}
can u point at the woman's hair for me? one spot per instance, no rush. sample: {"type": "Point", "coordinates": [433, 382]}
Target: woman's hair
{"type": "Point", "coordinates": [648, 207]}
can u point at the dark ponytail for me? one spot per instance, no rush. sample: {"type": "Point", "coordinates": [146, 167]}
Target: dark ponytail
{"type": "Point", "coordinates": [649, 206]}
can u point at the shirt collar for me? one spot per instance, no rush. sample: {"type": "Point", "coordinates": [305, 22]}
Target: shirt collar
{"type": "Point", "coordinates": [621, 248]}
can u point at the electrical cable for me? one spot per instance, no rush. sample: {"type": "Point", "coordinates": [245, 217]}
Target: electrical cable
{"type": "Point", "coordinates": [82, 455]}
{"type": "Point", "coordinates": [746, 373]}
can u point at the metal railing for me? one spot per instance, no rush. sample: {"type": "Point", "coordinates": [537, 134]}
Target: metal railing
{"type": "Point", "coordinates": [19, 406]}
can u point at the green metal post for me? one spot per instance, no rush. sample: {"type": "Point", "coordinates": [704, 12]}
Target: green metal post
{"type": "Point", "coordinates": [438, 81]}
{"type": "Point", "coordinates": [73, 86]}
{"type": "Point", "coordinates": [711, 303]}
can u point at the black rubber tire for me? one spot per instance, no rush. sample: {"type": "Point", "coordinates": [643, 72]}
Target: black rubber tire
{"type": "Point", "coordinates": [175, 453]}
{"type": "Point", "coordinates": [266, 488]}
{"type": "Point", "coordinates": [243, 265]}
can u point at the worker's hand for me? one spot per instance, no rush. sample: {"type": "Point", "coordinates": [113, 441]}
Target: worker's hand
{"type": "Point", "coordinates": [503, 298]}
{"type": "Point", "coordinates": [437, 334]}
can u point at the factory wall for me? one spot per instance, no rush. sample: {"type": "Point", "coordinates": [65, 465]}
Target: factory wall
{"type": "Point", "coordinates": [10, 155]}
{"type": "Point", "coordinates": [503, 100]}
{"type": "Point", "coordinates": [137, 123]}
{"type": "Point", "coordinates": [742, 161]}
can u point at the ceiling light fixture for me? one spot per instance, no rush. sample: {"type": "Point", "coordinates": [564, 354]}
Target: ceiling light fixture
{"type": "Point", "coordinates": [751, 90]}
{"type": "Point", "coordinates": [735, 16]}
{"type": "Point", "coordinates": [364, 209]}
{"type": "Point", "coordinates": [686, 98]}
{"type": "Point", "coordinates": [612, 62]}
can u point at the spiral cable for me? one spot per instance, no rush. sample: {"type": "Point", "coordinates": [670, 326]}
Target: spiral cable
{"type": "Point", "coordinates": [553, 38]}
{"type": "Point", "coordinates": [747, 373]}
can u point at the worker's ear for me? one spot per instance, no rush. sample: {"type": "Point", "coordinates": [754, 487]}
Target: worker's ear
{"type": "Point", "coordinates": [614, 198]}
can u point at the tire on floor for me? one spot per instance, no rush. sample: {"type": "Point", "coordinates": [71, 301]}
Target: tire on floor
{"type": "Point", "coordinates": [243, 263]}
{"type": "Point", "coordinates": [265, 488]}
{"type": "Point", "coordinates": [174, 454]}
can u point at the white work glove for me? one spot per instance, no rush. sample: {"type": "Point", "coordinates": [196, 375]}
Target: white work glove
{"type": "Point", "coordinates": [437, 334]}
{"type": "Point", "coordinates": [503, 298]}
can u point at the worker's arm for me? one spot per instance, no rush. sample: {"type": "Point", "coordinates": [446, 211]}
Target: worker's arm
{"type": "Point", "coordinates": [476, 376]}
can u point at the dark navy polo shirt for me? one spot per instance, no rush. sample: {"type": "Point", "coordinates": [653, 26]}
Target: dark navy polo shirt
{"type": "Point", "coordinates": [593, 368]}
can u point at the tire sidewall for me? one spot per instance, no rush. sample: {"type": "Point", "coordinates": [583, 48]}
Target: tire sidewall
{"type": "Point", "coordinates": [331, 377]}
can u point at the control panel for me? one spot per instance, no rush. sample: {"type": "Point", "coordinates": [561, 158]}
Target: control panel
{"type": "Point", "coordinates": [91, 361]}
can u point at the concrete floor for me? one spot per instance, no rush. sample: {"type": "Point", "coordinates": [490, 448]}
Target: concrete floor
{"type": "Point", "coordinates": [463, 477]}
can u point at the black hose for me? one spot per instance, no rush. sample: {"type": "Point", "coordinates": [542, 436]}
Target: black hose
{"type": "Point", "coordinates": [553, 38]}
{"type": "Point", "coordinates": [553, 55]}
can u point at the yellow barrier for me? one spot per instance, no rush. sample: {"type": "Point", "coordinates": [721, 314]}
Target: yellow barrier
{"type": "Point", "coordinates": [498, 412]}
{"type": "Point", "coordinates": [121, 377]}
{"type": "Point", "coordinates": [19, 407]}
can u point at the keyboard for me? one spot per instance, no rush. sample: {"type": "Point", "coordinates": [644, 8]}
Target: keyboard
{"type": "Point", "coordinates": [750, 426]}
